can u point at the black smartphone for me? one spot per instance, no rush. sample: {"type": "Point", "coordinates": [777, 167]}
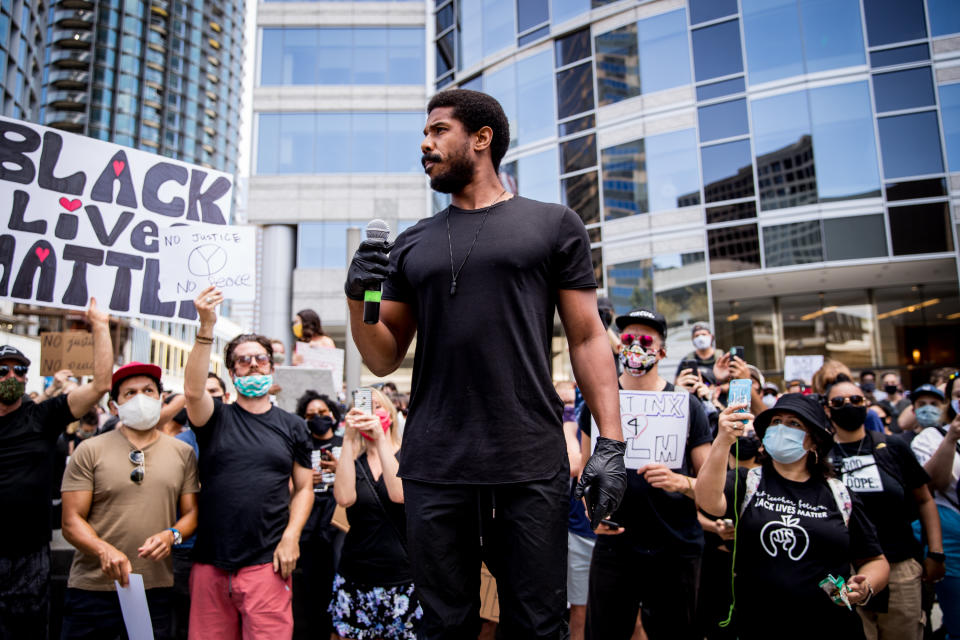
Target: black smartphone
{"type": "Point", "coordinates": [611, 524]}
{"type": "Point", "coordinates": [688, 363]}
{"type": "Point", "coordinates": [737, 352]}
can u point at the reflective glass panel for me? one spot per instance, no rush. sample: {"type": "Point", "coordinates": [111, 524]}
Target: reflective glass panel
{"type": "Point", "coordinates": [672, 175]}
{"type": "Point", "coordinates": [918, 325]}
{"type": "Point", "coordinates": [870, 232]}
{"type": "Point", "coordinates": [296, 143]}
{"type": "Point", "coordinates": [720, 89]}
{"type": "Point", "coordinates": [832, 34]}
{"type": "Point", "coordinates": [794, 243]}
{"type": "Point", "coordinates": [716, 50]}
{"type": "Point", "coordinates": [502, 85]}
{"type": "Point", "coordinates": [723, 120]}
{"type": "Point", "coordinates": [535, 101]}
{"type": "Point", "coordinates": [618, 74]}
{"type": "Point", "coordinates": [844, 144]}
{"type": "Point", "coordinates": [323, 245]}
{"type": "Point", "coordinates": [910, 144]}
{"type": "Point", "coordinates": [734, 248]}
{"type": "Point", "coordinates": [582, 194]}
{"type": "Point", "coordinates": [890, 21]}
{"type": "Point", "coordinates": [445, 17]}
{"type": "Point", "coordinates": [579, 153]}
{"type": "Point", "coordinates": [575, 90]}
{"type": "Point", "coordinates": [920, 228]}
{"type": "Point", "coordinates": [368, 151]}
{"type": "Point", "coordinates": [786, 172]}
{"type": "Point", "coordinates": [749, 323]}
{"type": "Point", "coordinates": [950, 111]}
{"type": "Point", "coordinates": [471, 40]}
{"type": "Point", "coordinates": [404, 134]}
{"type": "Point", "coordinates": [498, 25]}
{"type": "Point", "coordinates": [664, 52]}
{"type": "Point", "coordinates": [680, 293]}
{"type": "Point", "coordinates": [706, 10]}
{"type": "Point", "coordinates": [837, 322]}
{"type": "Point", "coordinates": [915, 189]}
{"type": "Point", "coordinates": [537, 176]}
{"type": "Point", "coordinates": [530, 13]}
{"type": "Point", "coordinates": [900, 55]}
{"type": "Point", "coordinates": [573, 47]}
{"type": "Point", "coordinates": [576, 125]}
{"type": "Point", "coordinates": [730, 212]}
{"type": "Point", "coordinates": [904, 89]}
{"type": "Point", "coordinates": [369, 56]}
{"type": "Point", "coordinates": [727, 171]}
{"type": "Point", "coordinates": [944, 17]}
{"type": "Point", "coordinates": [630, 285]}
{"type": "Point", "coordinates": [268, 135]}
{"type": "Point", "coordinates": [405, 56]}
{"type": "Point", "coordinates": [771, 31]}
{"type": "Point", "coordinates": [624, 180]}
{"type": "Point", "coordinates": [565, 9]}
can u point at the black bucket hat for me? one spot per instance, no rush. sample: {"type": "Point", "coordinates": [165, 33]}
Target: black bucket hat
{"type": "Point", "coordinates": [804, 407]}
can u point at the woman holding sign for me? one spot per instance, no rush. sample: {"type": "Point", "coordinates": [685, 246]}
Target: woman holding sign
{"type": "Point", "coordinates": [797, 528]}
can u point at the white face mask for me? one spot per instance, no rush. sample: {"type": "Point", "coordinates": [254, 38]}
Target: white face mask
{"type": "Point", "coordinates": [140, 412]}
{"type": "Point", "coordinates": [703, 341]}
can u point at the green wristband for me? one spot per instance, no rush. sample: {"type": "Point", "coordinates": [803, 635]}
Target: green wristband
{"type": "Point", "coordinates": [371, 296]}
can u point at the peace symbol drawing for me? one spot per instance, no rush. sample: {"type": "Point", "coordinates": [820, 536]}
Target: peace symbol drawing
{"type": "Point", "coordinates": [206, 260]}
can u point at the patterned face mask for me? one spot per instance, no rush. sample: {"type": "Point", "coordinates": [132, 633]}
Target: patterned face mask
{"type": "Point", "coordinates": [636, 360]}
{"type": "Point", "coordinates": [253, 386]}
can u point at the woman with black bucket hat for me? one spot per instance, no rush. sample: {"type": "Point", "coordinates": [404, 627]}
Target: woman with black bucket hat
{"type": "Point", "coordinates": [798, 529]}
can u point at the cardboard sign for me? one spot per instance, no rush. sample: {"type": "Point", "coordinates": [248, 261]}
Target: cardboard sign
{"type": "Point", "coordinates": [801, 368]}
{"type": "Point", "coordinates": [66, 350]}
{"type": "Point", "coordinates": [199, 256]}
{"type": "Point", "coordinates": [655, 425]}
{"type": "Point", "coordinates": [295, 381]}
{"type": "Point", "coordinates": [323, 358]}
{"type": "Point", "coordinates": [489, 598]}
{"type": "Point", "coordinates": [81, 217]}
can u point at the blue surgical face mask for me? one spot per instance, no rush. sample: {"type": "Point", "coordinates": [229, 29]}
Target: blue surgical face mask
{"type": "Point", "coordinates": [253, 386]}
{"type": "Point", "coordinates": [784, 444]}
{"type": "Point", "coordinates": [928, 415]}
{"type": "Point", "coordinates": [955, 403]}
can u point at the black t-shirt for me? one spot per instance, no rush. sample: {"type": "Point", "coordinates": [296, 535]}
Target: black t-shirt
{"type": "Point", "coordinates": [245, 464]}
{"type": "Point", "coordinates": [324, 504]}
{"type": "Point", "coordinates": [705, 365]}
{"type": "Point", "coordinates": [28, 439]}
{"type": "Point", "coordinates": [883, 472]}
{"type": "Point", "coordinates": [789, 538]}
{"type": "Point", "coordinates": [483, 409]}
{"type": "Point", "coordinates": [374, 553]}
{"type": "Point", "coordinates": [656, 520]}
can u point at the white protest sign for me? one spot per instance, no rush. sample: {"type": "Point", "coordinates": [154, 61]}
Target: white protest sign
{"type": "Point", "coordinates": [295, 381]}
{"type": "Point", "coordinates": [654, 427]}
{"type": "Point", "coordinates": [133, 606]}
{"type": "Point", "coordinates": [83, 218]}
{"type": "Point", "coordinates": [801, 368]}
{"type": "Point", "coordinates": [323, 358]}
{"type": "Point", "coordinates": [199, 256]}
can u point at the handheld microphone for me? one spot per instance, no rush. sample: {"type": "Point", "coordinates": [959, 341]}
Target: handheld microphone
{"type": "Point", "coordinates": [376, 230]}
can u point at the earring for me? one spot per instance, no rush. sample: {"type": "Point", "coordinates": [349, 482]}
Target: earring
{"type": "Point", "coordinates": [816, 457]}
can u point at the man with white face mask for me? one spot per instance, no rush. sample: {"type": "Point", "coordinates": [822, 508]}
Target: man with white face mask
{"type": "Point", "coordinates": [121, 492]}
{"type": "Point", "coordinates": [704, 352]}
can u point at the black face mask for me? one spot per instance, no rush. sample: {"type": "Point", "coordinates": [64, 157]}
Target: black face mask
{"type": "Point", "coordinates": [320, 425]}
{"type": "Point", "coordinates": [749, 447]}
{"type": "Point", "coordinates": [868, 387]}
{"type": "Point", "coordinates": [891, 389]}
{"type": "Point", "coordinates": [848, 417]}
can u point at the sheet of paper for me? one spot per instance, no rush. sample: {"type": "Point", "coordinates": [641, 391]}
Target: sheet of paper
{"type": "Point", "coordinates": [133, 604]}
{"type": "Point", "coordinates": [655, 426]}
{"type": "Point", "coordinates": [196, 257]}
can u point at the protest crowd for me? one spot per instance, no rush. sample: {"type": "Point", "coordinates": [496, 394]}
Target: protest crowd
{"type": "Point", "coordinates": [825, 508]}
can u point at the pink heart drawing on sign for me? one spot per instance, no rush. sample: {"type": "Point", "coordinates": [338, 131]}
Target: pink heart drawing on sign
{"type": "Point", "coordinates": [118, 166]}
{"type": "Point", "coordinates": [637, 422]}
{"type": "Point", "coordinates": [42, 253]}
{"type": "Point", "coordinates": [70, 205]}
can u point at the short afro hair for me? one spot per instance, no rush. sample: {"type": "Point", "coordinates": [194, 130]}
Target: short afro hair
{"type": "Point", "coordinates": [477, 110]}
{"type": "Point", "coordinates": [311, 395]}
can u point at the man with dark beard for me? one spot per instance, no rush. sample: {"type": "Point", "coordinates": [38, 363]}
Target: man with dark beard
{"type": "Point", "coordinates": [484, 462]}
{"type": "Point", "coordinates": [28, 437]}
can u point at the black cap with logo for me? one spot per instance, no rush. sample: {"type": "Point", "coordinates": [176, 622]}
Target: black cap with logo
{"type": "Point", "coordinates": [645, 317]}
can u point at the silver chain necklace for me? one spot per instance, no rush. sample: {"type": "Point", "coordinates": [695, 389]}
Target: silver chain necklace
{"type": "Point", "coordinates": [456, 274]}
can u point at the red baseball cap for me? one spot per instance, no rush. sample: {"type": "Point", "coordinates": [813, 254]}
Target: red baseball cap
{"type": "Point", "coordinates": [136, 369]}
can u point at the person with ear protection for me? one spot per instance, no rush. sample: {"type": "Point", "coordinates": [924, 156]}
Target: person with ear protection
{"type": "Point", "coordinates": [796, 526]}
{"type": "Point", "coordinates": [121, 492]}
{"type": "Point", "coordinates": [892, 485]}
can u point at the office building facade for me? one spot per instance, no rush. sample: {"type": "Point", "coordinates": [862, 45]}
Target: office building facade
{"type": "Point", "coordinates": [787, 169]}
{"type": "Point", "coordinates": [22, 43]}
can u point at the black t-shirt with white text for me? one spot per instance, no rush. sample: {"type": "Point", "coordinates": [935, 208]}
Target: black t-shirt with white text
{"type": "Point", "coordinates": [28, 438]}
{"type": "Point", "coordinates": [483, 409]}
{"type": "Point", "coordinates": [789, 538]}
{"type": "Point", "coordinates": [884, 474]}
{"type": "Point", "coordinates": [246, 460]}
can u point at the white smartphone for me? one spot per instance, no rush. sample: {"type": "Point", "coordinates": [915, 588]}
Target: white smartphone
{"type": "Point", "coordinates": [363, 400]}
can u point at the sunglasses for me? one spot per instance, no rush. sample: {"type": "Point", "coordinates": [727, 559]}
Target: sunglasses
{"type": "Point", "coordinates": [629, 339]}
{"type": "Point", "coordinates": [261, 358]}
{"type": "Point", "coordinates": [839, 401]}
{"type": "Point", "coordinates": [136, 457]}
{"type": "Point", "coordinates": [19, 370]}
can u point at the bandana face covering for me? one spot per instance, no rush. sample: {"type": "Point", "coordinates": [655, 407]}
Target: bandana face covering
{"type": "Point", "coordinates": [636, 360]}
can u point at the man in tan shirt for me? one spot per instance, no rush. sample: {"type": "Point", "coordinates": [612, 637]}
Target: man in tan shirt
{"type": "Point", "coordinates": [121, 492]}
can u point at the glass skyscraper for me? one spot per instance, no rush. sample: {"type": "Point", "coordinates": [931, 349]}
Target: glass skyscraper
{"type": "Point", "coordinates": [22, 39]}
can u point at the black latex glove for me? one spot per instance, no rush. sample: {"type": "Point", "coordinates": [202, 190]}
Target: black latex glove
{"type": "Point", "coordinates": [368, 269]}
{"type": "Point", "coordinates": [603, 481]}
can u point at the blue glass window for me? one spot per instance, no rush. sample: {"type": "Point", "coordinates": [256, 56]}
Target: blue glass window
{"type": "Point", "coordinates": [890, 21]}
{"type": "Point", "coordinates": [571, 48]}
{"type": "Point", "coordinates": [497, 23]}
{"type": "Point", "coordinates": [664, 52]}
{"type": "Point", "coordinates": [565, 9]}
{"type": "Point", "coordinates": [530, 13]}
{"type": "Point", "coordinates": [720, 89]}
{"type": "Point", "coordinates": [525, 91]}
{"type": "Point", "coordinates": [920, 228]}
{"type": "Point", "coordinates": [900, 55]}
{"type": "Point", "coordinates": [727, 171]}
{"type": "Point", "coordinates": [783, 140]}
{"type": "Point", "coordinates": [870, 232]}
{"type": "Point", "coordinates": [575, 90]}
{"type": "Point", "coordinates": [723, 120]}
{"type": "Point", "coordinates": [950, 112]}
{"type": "Point", "coordinates": [579, 153]}
{"type": "Point", "coordinates": [624, 186]}
{"type": "Point", "coordinates": [794, 243]}
{"type": "Point", "coordinates": [323, 245]}
{"type": "Point", "coordinates": [910, 145]}
{"type": "Point", "coordinates": [904, 89]}
{"type": "Point", "coordinates": [538, 177]}
{"type": "Point", "coordinates": [716, 50]}
{"type": "Point", "coordinates": [832, 34]}
{"type": "Point", "coordinates": [706, 10]}
{"type": "Point", "coordinates": [471, 40]}
{"type": "Point", "coordinates": [618, 74]}
{"type": "Point", "coordinates": [734, 248]}
{"type": "Point", "coordinates": [944, 17]}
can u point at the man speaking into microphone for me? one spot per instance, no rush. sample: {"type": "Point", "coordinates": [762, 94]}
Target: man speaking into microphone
{"type": "Point", "coordinates": [484, 461]}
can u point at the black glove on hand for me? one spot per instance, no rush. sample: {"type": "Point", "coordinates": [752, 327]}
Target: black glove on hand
{"type": "Point", "coordinates": [603, 480]}
{"type": "Point", "coordinates": [368, 269]}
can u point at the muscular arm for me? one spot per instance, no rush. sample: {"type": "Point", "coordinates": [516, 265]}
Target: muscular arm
{"type": "Point", "coordinates": [84, 397]}
{"type": "Point", "coordinates": [78, 532]}
{"type": "Point", "coordinates": [573, 448]}
{"type": "Point", "coordinates": [591, 358]}
{"type": "Point", "coordinates": [345, 484]}
{"type": "Point", "coordinates": [199, 402]}
{"type": "Point", "coordinates": [383, 345]}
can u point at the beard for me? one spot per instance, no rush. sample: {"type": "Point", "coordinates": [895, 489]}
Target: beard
{"type": "Point", "coordinates": [457, 174]}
